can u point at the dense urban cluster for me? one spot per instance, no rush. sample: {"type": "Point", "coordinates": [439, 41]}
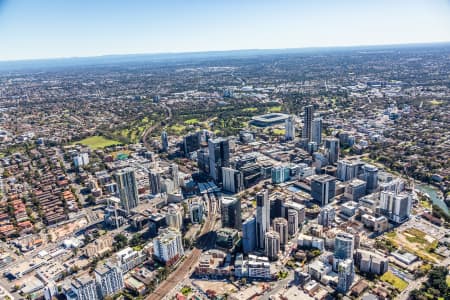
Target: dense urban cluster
{"type": "Point", "coordinates": [241, 175]}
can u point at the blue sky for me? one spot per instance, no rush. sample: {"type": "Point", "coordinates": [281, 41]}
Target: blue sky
{"type": "Point", "coordinates": [67, 28]}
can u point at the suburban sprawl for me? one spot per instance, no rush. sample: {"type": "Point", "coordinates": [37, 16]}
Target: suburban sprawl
{"type": "Point", "coordinates": [284, 174]}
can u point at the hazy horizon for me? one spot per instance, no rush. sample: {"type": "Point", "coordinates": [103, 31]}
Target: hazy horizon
{"type": "Point", "coordinates": [49, 29]}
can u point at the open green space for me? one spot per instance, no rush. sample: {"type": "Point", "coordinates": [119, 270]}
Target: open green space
{"type": "Point", "coordinates": [186, 290]}
{"type": "Point", "coordinates": [191, 121]}
{"type": "Point", "coordinates": [395, 281]}
{"type": "Point", "coordinates": [275, 109]}
{"type": "Point", "coordinates": [436, 102]}
{"type": "Point", "coordinates": [391, 234]}
{"type": "Point", "coordinates": [250, 109]}
{"type": "Point", "coordinates": [98, 142]}
{"type": "Point", "coordinates": [177, 128]}
{"type": "Point", "coordinates": [415, 236]}
{"type": "Point", "coordinates": [277, 131]}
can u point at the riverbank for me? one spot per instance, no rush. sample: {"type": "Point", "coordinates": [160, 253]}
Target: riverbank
{"type": "Point", "coordinates": [436, 196]}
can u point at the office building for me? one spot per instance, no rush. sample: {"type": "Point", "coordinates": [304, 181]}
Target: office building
{"type": "Point", "coordinates": [396, 207]}
{"type": "Point", "coordinates": [332, 150]}
{"type": "Point", "coordinates": [164, 141]}
{"type": "Point", "coordinates": [346, 275]}
{"type": "Point", "coordinates": [348, 170]}
{"type": "Point", "coordinates": [50, 290]}
{"type": "Point", "coordinates": [371, 177]}
{"type": "Point", "coordinates": [344, 246]}
{"type": "Point", "coordinates": [355, 189]}
{"type": "Point", "coordinates": [174, 216]}
{"type": "Point", "coordinates": [232, 180]}
{"type": "Point", "coordinates": [168, 246]}
{"type": "Point", "coordinates": [292, 222]}
{"type": "Point", "coordinates": [252, 173]}
{"type": "Point", "coordinates": [317, 131]}
{"type": "Point", "coordinates": [84, 288]}
{"type": "Point", "coordinates": [249, 235]}
{"type": "Point", "coordinates": [326, 216]}
{"type": "Point", "coordinates": [128, 259]}
{"type": "Point", "coordinates": [318, 269]}
{"type": "Point", "coordinates": [307, 122]}
{"type": "Point", "coordinates": [256, 267]}
{"type": "Point", "coordinates": [109, 278]}
{"type": "Point", "coordinates": [262, 217]}
{"type": "Point", "coordinates": [191, 143]}
{"type": "Point", "coordinates": [203, 161]}
{"type": "Point", "coordinates": [81, 160]}
{"type": "Point", "coordinates": [219, 157]}
{"type": "Point", "coordinates": [323, 189]}
{"type": "Point", "coordinates": [369, 262]}
{"type": "Point", "coordinates": [126, 184]}
{"type": "Point", "coordinates": [346, 139]}
{"type": "Point", "coordinates": [280, 226]}
{"type": "Point", "coordinates": [272, 244]}
{"type": "Point", "coordinates": [280, 174]}
{"type": "Point", "coordinates": [376, 224]}
{"type": "Point", "coordinates": [227, 238]}
{"type": "Point", "coordinates": [155, 182]}
{"type": "Point", "coordinates": [307, 242]}
{"type": "Point", "coordinates": [174, 173]}
{"type": "Point", "coordinates": [290, 128]}
{"type": "Point", "coordinates": [300, 208]}
{"type": "Point", "coordinates": [196, 212]}
{"type": "Point", "coordinates": [231, 212]}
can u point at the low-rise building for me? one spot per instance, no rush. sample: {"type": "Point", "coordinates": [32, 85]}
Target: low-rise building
{"type": "Point", "coordinates": [255, 267]}
{"type": "Point", "coordinates": [128, 259]}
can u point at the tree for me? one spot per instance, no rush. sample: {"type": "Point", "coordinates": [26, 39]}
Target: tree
{"type": "Point", "coordinates": [120, 241]}
{"type": "Point", "coordinates": [136, 240]}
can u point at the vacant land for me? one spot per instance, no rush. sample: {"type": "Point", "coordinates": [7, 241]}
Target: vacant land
{"type": "Point", "coordinates": [395, 281]}
{"type": "Point", "coordinates": [417, 242]}
{"type": "Point", "coordinates": [98, 142]}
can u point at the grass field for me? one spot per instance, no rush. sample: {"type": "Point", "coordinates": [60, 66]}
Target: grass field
{"type": "Point", "coordinates": [415, 236]}
{"type": "Point", "coordinates": [395, 281]}
{"type": "Point", "coordinates": [177, 128]}
{"type": "Point", "coordinates": [275, 109]}
{"type": "Point", "coordinates": [425, 204]}
{"type": "Point", "coordinates": [98, 142]}
{"type": "Point", "coordinates": [415, 241]}
{"type": "Point", "coordinates": [250, 109]}
{"type": "Point", "coordinates": [277, 131]}
{"type": "Point", "coordinates": [191, 121]}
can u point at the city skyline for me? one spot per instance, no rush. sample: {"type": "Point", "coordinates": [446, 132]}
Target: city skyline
{"type": "Point", "coordinates": [83, 29]}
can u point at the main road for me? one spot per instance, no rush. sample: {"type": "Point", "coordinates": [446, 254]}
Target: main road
{"type": "Point", "coordinates": [416, 284]}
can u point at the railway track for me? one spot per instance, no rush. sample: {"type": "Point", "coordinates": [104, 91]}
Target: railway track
{"type": "Point", "coordinates": [185, 267]}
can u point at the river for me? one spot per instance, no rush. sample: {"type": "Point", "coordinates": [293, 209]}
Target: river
{"type": "Point", "coordinates": [435, 195]}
